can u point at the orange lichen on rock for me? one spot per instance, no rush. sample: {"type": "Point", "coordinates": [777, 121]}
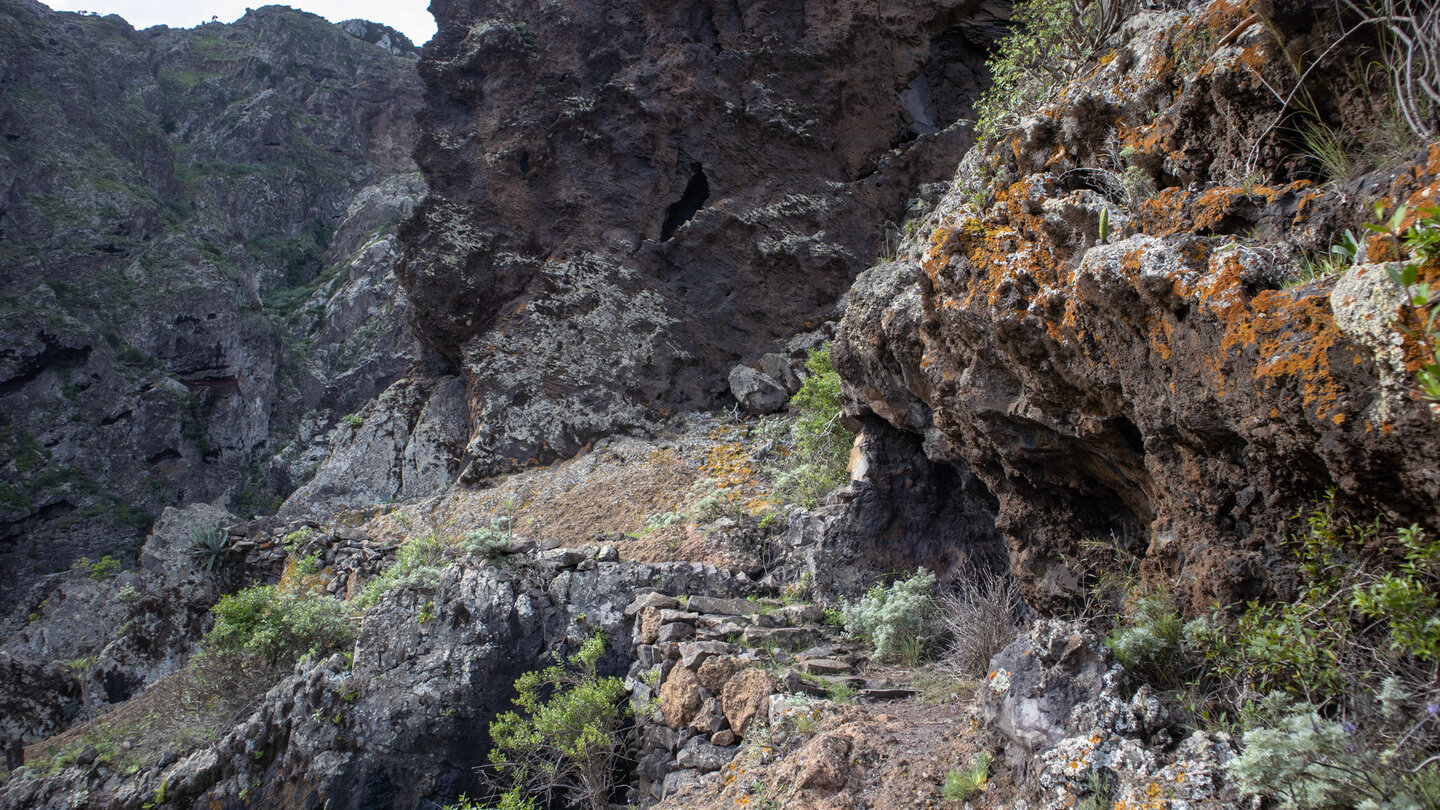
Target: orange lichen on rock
{"type": "Point", "coordinates": [1015, 252]}
{"type": "Point", "coordinates": [1290, 339]}
{"type": "Point", "coordinates": [1218, 18]}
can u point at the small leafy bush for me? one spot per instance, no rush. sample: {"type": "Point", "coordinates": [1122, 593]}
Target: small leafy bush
{"type": "Point", "coordinates": [1351, 716]}
{"type": "Point", "coordinates": [1304, 761]}
{"type": "Point", "coordinates": [276, 628]}
{"type": "Point", "coordinates": [418, 564]}
{"type": "Point", "coordinates": [102, 571]}
{"type": "Point", "coordinates": [1051, 41]}
{"type": "Point", "coordinates": [1149, 640]}
{"type": "Point", "coordinates": [903, 621]}
{"type": "Point", "coordinates": [1422, 242]}
{"type": "Point", "coordinates": [354, 420]}
{"type": "Point", "coordinates": [565, 736]}
{"type": "Point", "coordinates": [489, 543]}
{"type": "Point", "coordinates": [260, 633]}
{"type": "Point", "coordinates": [822, 444]}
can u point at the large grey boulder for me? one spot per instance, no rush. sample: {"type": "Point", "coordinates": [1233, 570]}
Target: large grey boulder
{"type": "Point", "coordinates": [756, 391]}
{"type": "Point", "coordinates": [1037, 681]}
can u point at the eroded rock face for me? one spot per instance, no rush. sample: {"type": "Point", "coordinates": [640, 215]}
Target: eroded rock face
{"type": "Point", "coordinates": [1063, 711]}
{"type": "Point", "coordinates": [173, 307]}
{"type": "Point", "coordinates": [628, 198]}
{"type": "Point", "coordinates": [406, 725]}
{"type": "Point", "coordinates": [405, 444]}
{"type": "Point", "coordinates": [133, 628]}
{"type": "Point", "coordinates": [1160, 388]}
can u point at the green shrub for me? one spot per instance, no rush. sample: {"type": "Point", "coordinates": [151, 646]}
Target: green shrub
{"type": "Point", "coordinates": [962, 785]}
{"type": "Point", "coordinates": [277, 628]}
{"type": "Point", "coordinates": [565, 736]}
{"type": "Point", "coordinates": [489, 543]}
{"type": "Point", "coordinates": [1304, 761]}
{"type": "Point", "coordinates": [354, 420]}
{"type": "Point", "coordinates": [1052, 41]}
{"type": "Point", "coordinates": [1422, 242]}
{"type": "Point", "coordinates": [104, 570]}
{"type": "Point", "coordinates": [902, 621]}
{"type": "Point", "coordinates": [1149, 639]}
{"type": "Point", "coordinates": [418, 564]}
{"type": "Point", "coordinates": [822, 444]}
{"type": "Point", "coordinates": [1347, 668]}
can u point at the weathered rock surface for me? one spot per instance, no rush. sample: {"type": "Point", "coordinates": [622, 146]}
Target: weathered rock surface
{"type": "Point", "coordinates": [1063, 711]}
{"type": "Point", "coordinates": [628, 200]}
{"type": "Point", "coordinates": [407, 723]}
{"type": "Point", "coordinates": [174, 305]}
{"type": "Point", "coordinates": [408, 443]}
{"type": "Point", "coordinates": [1157, 389]}
{"type": "Point", "coordinates": [132, 629]}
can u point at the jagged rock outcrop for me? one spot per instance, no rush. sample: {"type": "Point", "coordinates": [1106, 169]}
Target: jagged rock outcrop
{"type": "Point", "coordinates": [130, 628]}
{"type": "Point", "coordinates": [1063, 710]}
{"type": "Point", "coordinates": [1161, 388]}
{"type": "Point", "coordinates": [627, 199]}
{"type": "Point", "coordinates": [407, 721]}
{"type": "Point", "coordinates": [196, 253]}
{"type": "Point", "coordinates": [408, 443]}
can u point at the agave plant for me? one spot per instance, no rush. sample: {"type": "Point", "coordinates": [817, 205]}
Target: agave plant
{"type": "Point", "coordinates": [209, 546]}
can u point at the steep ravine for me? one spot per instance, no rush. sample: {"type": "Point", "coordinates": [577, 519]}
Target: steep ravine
{"type": "Point", "coordinates": [196, 265]}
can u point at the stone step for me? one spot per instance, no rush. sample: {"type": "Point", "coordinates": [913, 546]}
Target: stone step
{"type": "Point", "coordinates": [729, 607]}
{"type": "Point", "coordinates": [789, 638]}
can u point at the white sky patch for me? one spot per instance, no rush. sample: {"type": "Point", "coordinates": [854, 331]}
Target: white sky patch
{"type": "Point", "coordinates": [408, 16]}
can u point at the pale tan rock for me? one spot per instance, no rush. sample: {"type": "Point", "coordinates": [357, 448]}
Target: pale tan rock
{"type": "Point", "coordinates": [681, 698]}
{"type": "Point", "coordinates": [745, 696]}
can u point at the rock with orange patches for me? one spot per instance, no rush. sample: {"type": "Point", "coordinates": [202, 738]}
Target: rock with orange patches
{"type": "Point", "coordinates": [1132, 391]}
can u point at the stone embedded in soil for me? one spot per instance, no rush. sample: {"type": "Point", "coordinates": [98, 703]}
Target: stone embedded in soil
{"type": "Point", "coordinates": [675, 632]}
{"type": "Point", "coordinates": [703, 756]}
{"type": "Point", "coordinates": [694, 654]}
{"type": "Point", "coordinates": [723, 606]}
{"type": "Point", "coordinates": [884, 693]}
{"type": "Point", "coordinates": [825, 666]}
{"type": "Point", "coordinates": [787, 637]}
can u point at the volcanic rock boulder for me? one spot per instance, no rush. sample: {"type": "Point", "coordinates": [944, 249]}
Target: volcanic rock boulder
{"type": "Point", "coordinates": [629, 197]}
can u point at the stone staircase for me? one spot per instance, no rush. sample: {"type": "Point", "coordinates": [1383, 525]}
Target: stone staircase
{"type": "Point", "coordinates": [709, 671]}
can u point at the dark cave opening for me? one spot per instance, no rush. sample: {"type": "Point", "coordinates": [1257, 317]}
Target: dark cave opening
{"type": "Point", "coordinates": [697, 191]}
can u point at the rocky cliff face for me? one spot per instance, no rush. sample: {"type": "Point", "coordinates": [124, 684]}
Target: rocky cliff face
{"type": "Point", "coordinates": [196, 252]}
{"type": "Point", "coordinates": [1169, 389]}
{"type": "Point", "coordinates": [628, 198]}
